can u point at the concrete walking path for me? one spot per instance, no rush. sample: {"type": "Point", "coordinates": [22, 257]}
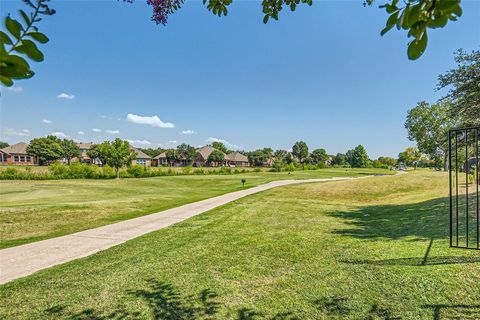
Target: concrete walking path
{"type": "Point", "coordinates": [20, 261]}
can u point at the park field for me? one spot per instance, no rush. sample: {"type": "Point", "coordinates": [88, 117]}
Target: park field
{"type": "Point", "coordinates": [36, 210]}
{"type": "Point", "coordinates": [373, 248]}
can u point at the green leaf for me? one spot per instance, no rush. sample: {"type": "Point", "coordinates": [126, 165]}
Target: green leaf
{"type": "Point", "coordinates": [457, 10]}
{"type": "Point", "coordinates": [30, 49]}
{"type": "Point", "coordinates": [438, 22]}
{"type": "Point", "coordinates": [417, 47]}
{"type": "Point", "coordinates": [390, 23]}
{"type": "Point", "coordinates": [14, 67]}
{"type": "Point", "coordinates": [25, 17]}
{"type": "Point", "coordinates": [40, 37]}
{"type": "Point", "coordinates": [446, 4]}
{"type": "Point", "coordinates": [6, 81]}
{"type": "Point", "coordinates": [14, 27]}
{"type": "Point", "coordinates": [414, 14]}
{"type": "Point", "coordinates": [265, 18]}
{"type": "Point", "coordinates": [4, 38]}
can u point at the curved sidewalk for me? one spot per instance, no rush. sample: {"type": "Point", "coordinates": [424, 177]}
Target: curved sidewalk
{"type": "Point", "coordinates": [26, 259]}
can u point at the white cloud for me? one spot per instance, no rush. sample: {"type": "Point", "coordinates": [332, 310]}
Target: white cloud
{"type": "Point", "coordinates": [103, 116]}
{"type": "Point", "coordinates": [188, 132]}
{"type": "Point", "coordinates": [64, 95]}
{"type": "Point", "coordinates": [96, 130]}
{"type": "Point", "coordinates": [47, 121]}
{"type": "Point", "coordinates": [15, 89]}
{"type": "Point", "coordinates": [81, 132]}
{"type": "Point", "coordinates": [225, 142]}
{"type": "Point", "coordinates": [15, 132]}
{"type": "Point", "coordinates": [153, 121]}
{"type": "Point", "coordinates": [59, 135]}
{"type": "Point", "coordinates": [139, 142]}
{"type": "Point", "coordinates": [173, 141]}
{"type": "Point", "coordinates": [112, 131]}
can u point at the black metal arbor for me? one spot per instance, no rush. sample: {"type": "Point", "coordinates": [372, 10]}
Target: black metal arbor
{"type": "Point", "coordinates": [463, 167]}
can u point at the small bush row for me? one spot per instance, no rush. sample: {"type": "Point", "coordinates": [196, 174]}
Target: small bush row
{"type": "Point", "coordinates": [78, 170]}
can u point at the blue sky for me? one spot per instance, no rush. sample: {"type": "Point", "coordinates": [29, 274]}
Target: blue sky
{"type": "Point", "coordinates": [322, 74]}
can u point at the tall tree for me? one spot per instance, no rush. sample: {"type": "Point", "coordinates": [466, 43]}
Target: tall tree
{"type": "Point", "coordinates": [3, 144]}
{"type": "Point", "coordinates": [172, 156]}
{"type": "Point", "coordinates": [319, 156]}
{"type": "Point", "coordinates": [428, 126]}
{"type": "Point", "coordinates": [46, 148]}
{"type": "Point", "coordinates": [300, 151]}
{"type": "Point", "coordinates": [358, 157]}
{"type": "Point", "coordinates": [464, 87]}
{"type": "Point", "coordinates": [100, 152]}
{"type": "Point", "coordinates": [70, 150]}
{"type": "Point", "coordinates": [186, 152]}
{"type": "Point", "coordinates": [119, 154]}
{"type": "Point", "coordinates": [219, 146]}
{"type": "Point", "coordinates": [217, 157]}
{"type": "Point", "coordinates": [410, 156]}
{"type": "Point", "coordinates": [339, 160]}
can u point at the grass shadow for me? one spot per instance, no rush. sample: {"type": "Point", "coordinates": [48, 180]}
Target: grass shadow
{"type": "Point", "coordinates": [425, 220]}
{"type": "Point", "coordinates": [459, 311]}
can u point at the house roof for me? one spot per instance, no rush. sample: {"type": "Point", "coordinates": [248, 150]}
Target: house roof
{"type": "Point", "coordinates": [84, 145]}
{"type": "Point", "coordinates": [18, 148]}
{"type": "Point", "coordinates": [162, 155]}
{"type": "Point", "coordinates": [204, 152]}
{"type": "Point", "coordinates": [141, 154]}
{"type": "Point", "coordinates": [236, 156]}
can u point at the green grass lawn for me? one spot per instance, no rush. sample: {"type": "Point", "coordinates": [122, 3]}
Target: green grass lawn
{"type": "Point", "coordinates": [36, 210]}
{"type": "Point", "coordinates": [374, 248]}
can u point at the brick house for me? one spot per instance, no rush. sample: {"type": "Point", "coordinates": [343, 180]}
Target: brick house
{"type": "Point", "coordinates": [17, 154]}
{"type": "Point", "coordinates": [141, 158]}
{"type": "Point", "coordinates": [236, 159]}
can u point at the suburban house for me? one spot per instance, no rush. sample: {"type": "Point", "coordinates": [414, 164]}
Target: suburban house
{"type": "Point", "coordinates": [84, 147]}
{"type": "Point", "coordinates": [17, 154]}
{"type": "Point", "coordinates": [160, 160]}
{"type": "Point", "coordinates": [201, 159]}
{"type": "Point", "coordinates": [236, 159]}
{"type": "Point", "coordinates": [142, 158]}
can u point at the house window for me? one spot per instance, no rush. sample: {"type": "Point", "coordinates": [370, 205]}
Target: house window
{"type": "Point", "coordinates": [22, 158]}
{"type": "Point", "coordinates": [141, 161]}
{"type": "Point", "coordinates": [16, 158]}
{"type": "Point", "coordinates": [29, 159]}
{"type": "Point", "coordinates": [3, 157]}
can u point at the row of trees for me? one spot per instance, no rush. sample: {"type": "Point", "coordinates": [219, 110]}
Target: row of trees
{"type": "Point", "coordinates": [428, 124]}
{"type": "Point", "coordinates": [116, 154]}
{"type": "Point", "coordinates": [52, 148]}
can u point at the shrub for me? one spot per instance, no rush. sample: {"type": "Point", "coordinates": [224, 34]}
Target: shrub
{"type": "Point", "coordinates": [257, 169]}
{"type": "Point", "coordinates": [137, 171]}
{"type": "Point", "coordinates": [187, 170]}
{"type": "Point", "coordinates": [198, 171]}
{"type": "Point", "coordinates": [58, 170]}
{"type": "Point", "coordinates": [290, 167]}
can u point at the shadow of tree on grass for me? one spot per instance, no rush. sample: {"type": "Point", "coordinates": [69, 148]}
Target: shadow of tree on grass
{"type": "Point", "coordinates": [459, 311]}
{"type": "Point", "coordinates": [425, 220]}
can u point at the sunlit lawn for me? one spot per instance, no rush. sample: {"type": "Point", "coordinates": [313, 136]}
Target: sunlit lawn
{"type": "Point", "coordinates": [374, 248]}
{"type": "Point", "coordinates": [35, 210]}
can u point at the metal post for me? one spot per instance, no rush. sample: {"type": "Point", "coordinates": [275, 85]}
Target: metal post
{"type": "Point", "coordinates": [450, 184]}
{"type": "Point", "coordinates": [456, 186]}
{"type": "Point", "coordinates": [466, 184]}
{"type": "Point", "coordinates": [478, 182]}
